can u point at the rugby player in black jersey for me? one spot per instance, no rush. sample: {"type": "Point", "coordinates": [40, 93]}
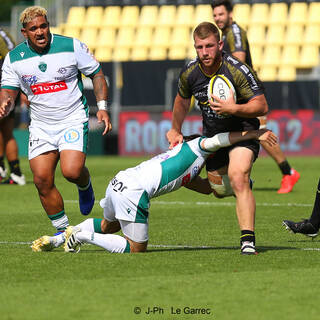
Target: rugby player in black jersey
{"type": "Point", "coordinates": [236, 43]}
{"type": "Point", "coordinates": [231, 165]}
{"type": "Point", "coordinates": [8, 143]}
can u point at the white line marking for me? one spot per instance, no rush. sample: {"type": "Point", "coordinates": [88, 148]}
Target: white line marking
{"type": "Point", "coordinates": [168, 246]}
{"type": "Point", "coordinates": [217, 203]}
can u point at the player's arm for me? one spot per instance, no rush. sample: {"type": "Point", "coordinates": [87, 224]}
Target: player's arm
{"type": "Point", "coordinates": [226, 139]}
{"type": "Point", "coordinates": [255, 107]}
{"type": "Point", "coordinates": [180, 110]}
{"type": "Point", "coordinates": [100, 90]}
{"type": "Point", "coordinates": [7, 98]}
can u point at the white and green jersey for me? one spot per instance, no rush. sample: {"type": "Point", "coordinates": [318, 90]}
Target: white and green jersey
{"type": "Point", "coordinates": [51, 80]}
{"type": "Point", "coordinates": [170, 170]}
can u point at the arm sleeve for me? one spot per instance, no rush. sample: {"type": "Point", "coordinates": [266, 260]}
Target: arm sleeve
{"type": "Point", "coordinates": [86, 62]}
{"type": "Point", "coordinates": [218, 141]}
{"type": "Point", "coordinates": [10, 79]}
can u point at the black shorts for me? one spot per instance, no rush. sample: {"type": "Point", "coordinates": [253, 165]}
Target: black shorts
{"type": "Point", "coordinates": [221, 158]}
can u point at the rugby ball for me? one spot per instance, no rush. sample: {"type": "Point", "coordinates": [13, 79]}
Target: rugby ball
{"type": "Point", "coordinates": [220, 86]}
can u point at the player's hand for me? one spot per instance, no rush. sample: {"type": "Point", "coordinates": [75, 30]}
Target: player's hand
{"type": "Point", "coordinates": [223, 107]}
{"type": "Point", "coordinates": [174, 137]}
{"type": "Point", "coordinates": [103, 116]}
{"type": "Point", "coordinates": [6, 106]}
{"type": "Point", "coordinates": [267, 136]}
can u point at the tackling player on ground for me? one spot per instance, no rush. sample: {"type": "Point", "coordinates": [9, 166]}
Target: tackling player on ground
{"type": "Point", "coordinates": [127, 199]}
{"type": "Point", "coordinates": [47, 68]}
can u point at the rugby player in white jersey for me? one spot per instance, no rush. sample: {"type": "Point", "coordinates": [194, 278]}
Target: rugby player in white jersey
{"type": "Point", "coordinates": [127, 198]}
{"type": "Point", "coordinates": [47, 68]}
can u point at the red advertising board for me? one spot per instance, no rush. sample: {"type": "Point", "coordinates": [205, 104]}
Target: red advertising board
{"type": "Point", "coordinates": [142, 133]}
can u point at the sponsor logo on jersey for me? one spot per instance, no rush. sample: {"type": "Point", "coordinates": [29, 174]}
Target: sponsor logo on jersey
{"type": "Point", "coordinates": [62, 70]}
{"type": "Point", "coordinates": [72, 136]}
{"type": "Point", "coordinates": [195, 170]}
{"type": "Point", "coordinates": [29, 79]}
{"type": "Point", "coordinates": [43, 88]}
{"type": "Point", "coordinates": [42, 66]}
{"type": "Point", "coordinates": [245, 69]}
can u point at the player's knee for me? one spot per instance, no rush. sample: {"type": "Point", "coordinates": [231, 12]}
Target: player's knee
{"type": "Point", "coordinates": [136, 247]}
{"type": "Point", "coordinates": [70, 174]}
{"type": "Point", "coordinates": [239, 183]}
{"type": "Point", "coordinates": [220, 185]}
{"type": "Point", "coordinates": [110, 226]}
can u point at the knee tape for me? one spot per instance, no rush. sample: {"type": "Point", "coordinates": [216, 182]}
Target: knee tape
{"type": "Point", "coordinates": [221, 185]}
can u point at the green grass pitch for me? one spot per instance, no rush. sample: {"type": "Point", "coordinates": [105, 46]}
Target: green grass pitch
{"type": "Point", "coordinates": [193, 261]}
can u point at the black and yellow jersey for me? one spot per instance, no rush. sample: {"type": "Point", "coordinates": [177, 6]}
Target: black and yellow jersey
{"type": "Point", "coordinates": [194, 81]}
{"type": "Point", "coordinates": [235, 39]}
{"type": "Point", "coordinates": [6, 43]}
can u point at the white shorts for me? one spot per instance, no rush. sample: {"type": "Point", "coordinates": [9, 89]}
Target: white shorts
{"type": "Point", "coordinates": [68, 137]}
{"type": "Point", "coordinates": [129, 204]}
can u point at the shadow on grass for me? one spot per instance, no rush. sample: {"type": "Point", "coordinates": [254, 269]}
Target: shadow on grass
{"type": "Point", "coordinates": [186, 248]}
{"type": "Point", "coordinates": [265, 189]}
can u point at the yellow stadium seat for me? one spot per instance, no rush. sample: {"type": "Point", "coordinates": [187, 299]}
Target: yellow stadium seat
{"type": "Point", "coordinates": [309, 56]}
{"type": "Point", "coordinates": [121, 54]}
{"type": "Point", "coordinates": [278, 13]}
{"type": "Point", "coordinates": [167, 16]}
{"type": "Point", "coordinates": [298, 13]}
{"type": "Point", "coordinates": [259, 14]}
{"type": "Point", "coordinates": [125, 37]}
{"type": "Point", "coordinates": [294, 34]}
{"type": "Point", "coordinates": [76, 17]}
{"type": "Point", "coordinates": [143, 37]}
{"type": "Point", "coordinates": [314, 13]}
{"type": "Point", "coordinates": [148, 16]}
{"type": "Point", "coordinates": [275, 34]}
{"type": "Point", "coordinates": [158, 53]}
{"type": "Point", "coordinates": [177, 53]}
{"type": "Point", "coordinates": [161, 37]}
{"type": "Point", "coordinates": [312, 34]}
{"type": "Point", "coordinates": [268, 73]}
{"type": "Point", "coordinates": [89, 37]}
{"type": "Point", "coordinates": [241, 14]}
{"type": "Point", "coordinates": [103, 54]}
{"type": "Point", "coordinates": [202, 12]}
{"type": "Point", "coordinates": [111, 17]}
{"type": "Point", "coordinates": [287, 73]}
{"type": "Point", "coordinates": [93, 17]}
{"type": "Point", "coordinates": [290, 55]}
{"type": "Point", "coordinates": [256, 55]}
{"type": "Point", "coordinates": [185, 15]}
{"type": "Point", "coordinates": [129, 16]}
{"type": "Point", "coordinates": [271, 56]}
{"type": "Point", "coordinates": [73, 32]}
{"type": "Point", "coordinates": [256, 34]}
{"type": "Point", "coordinates": [139, 54]}
{"type": "Point", "coordinates": [180, 36]}
{"type": "Point", "coordinates": [106, 37]}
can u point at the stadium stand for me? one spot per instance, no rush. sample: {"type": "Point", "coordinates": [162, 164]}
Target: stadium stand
{"type": "Point", "coordinates": [259, 14]}
{"type": "Point", "coordinates": [111, 17]}
{"type": "Point", "coordinates": [284, 36]}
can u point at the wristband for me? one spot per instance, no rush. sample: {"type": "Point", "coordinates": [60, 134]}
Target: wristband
{"type": "Point", "coordinates": [102, 105]}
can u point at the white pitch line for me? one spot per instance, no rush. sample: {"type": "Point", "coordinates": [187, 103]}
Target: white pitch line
{"type": "Point", "coordinates": [216, 204]}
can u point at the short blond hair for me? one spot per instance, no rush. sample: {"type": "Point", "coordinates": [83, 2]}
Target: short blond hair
{"type": "Point", "coordinates": [30, 13]}
{"type": "Point", "coordinates": [205, 29]}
